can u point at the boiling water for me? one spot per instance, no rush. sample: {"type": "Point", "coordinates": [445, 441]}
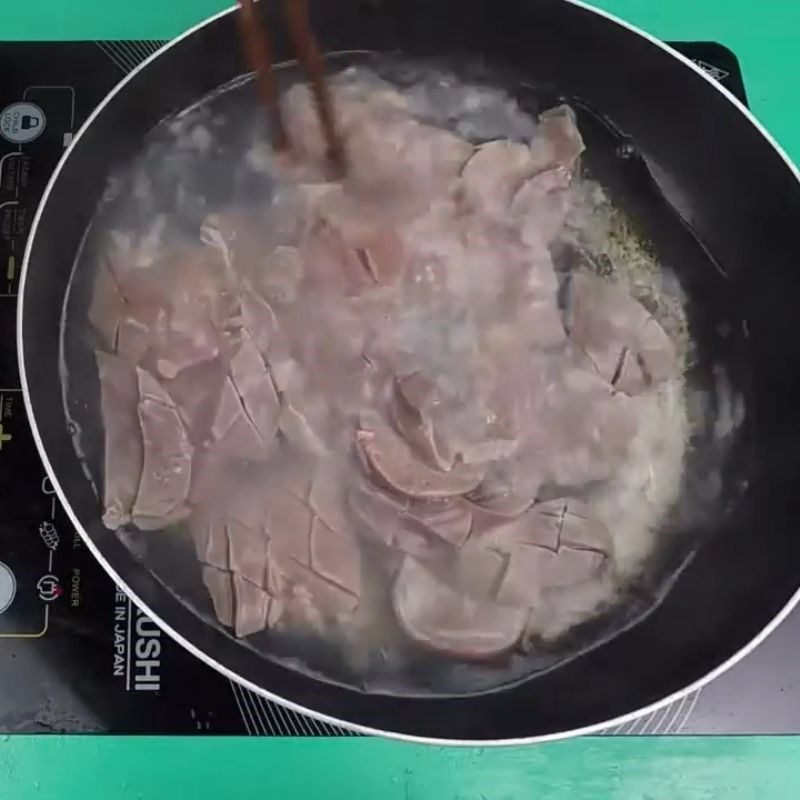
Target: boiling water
{"type": "Point", "coordinates": [211, 162]}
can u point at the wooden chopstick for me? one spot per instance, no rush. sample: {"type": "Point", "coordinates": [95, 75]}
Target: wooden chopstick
{"type": "Point", "coordinates": [259, 52]}
{"type": "Point", "coordinates": [305, 45]}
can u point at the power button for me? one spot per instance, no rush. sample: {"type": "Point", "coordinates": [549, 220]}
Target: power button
{"type": "Point", "coordinates": [8, 587]}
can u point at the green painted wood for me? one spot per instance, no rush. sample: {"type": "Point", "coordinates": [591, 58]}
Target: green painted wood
{"type": "Point", "coordinates": [766, 36]}
{"type": "Point", "coordinates": [105, 768]}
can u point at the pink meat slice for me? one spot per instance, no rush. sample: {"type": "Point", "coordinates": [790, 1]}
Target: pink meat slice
{"type": "Point", "coordinates": [298, 431]}
{"type": "Point", "coordinates": [581, 531]}
{"type": "Point", "coordinates": [410, 407]}
{"type": "Point", "coordinates": [330, 599]}
{"type": "Point", "coordinates": [553, 524]}
{"type": "Point", "coordinates": [289, 527]}
{"type": "Point", "coordinates": [557, 544]}
{"type": "Point", "coordinates": [220, 587]}
{"type": "Point", "coordinates": [368, 233]}
{"type": "Point", "coordinates": [532, 570]}
{"type": "Point", "coordinates": [328, 496]}
{"type": "Point", "coordinates": [333, 265]}
{"type": "Point", "coordinates": [630, 377]}
{"type": "Point", "coordinates": [259, 320]}
{"type": "Point", "coordinates": [624, 342]}
{"type": "Point", "coordinates": [222, 494]}
{"type": "Point", "coordinates": [536, 527]}
{"type": "Point", "coordinates": [124, 448]}
{"type": "Point", "coordinates": [438, 618]}
{"type": "Point", "coordinates": [568, 567]}
{"type": "Point", "coordinates": [252, 606]}
{"type": "Point", "coordinates": [228, 529]}
{"type": "Point", "coordinates": [238, 604]}
{"type": "Point", "coordinates": [495, 174]}
{"type": "Point", "coordinates": [167, 468]}
{"type": "Point", "coordinates": [541, 206]}
{"type": "Point", "coordinates": [280, 277]}
{"type": "Point", "coordinates": [254, 385]}
{"type": "Point", "coordinates": [442, 430]}
{"type": "Point", "coordinates": [336, 557]}
{"type": "Point", "coordinates": [557, 143]}
{"type": "Point", "coordinates": [479, 570]}
{"type": "Point", "coordinates": [449, 521]}
{"type": "Point", "coordinates": [354, 104]}
{"type": "Point", "coordinates": [449, 428]}
{"type": "Point", "coordinates": [183, 300]}
{"type": "Point", "coordinates": [657, 352]}
{"type": "Point", "coordinates": [107, 307]}
{"type": "Point", "coordinates": [133, 339]}
{"type": "Point", "coordinates": [240, 240]}
{"type": "Point", "coordinates": [585, 429]}
{"type": "Point", "coordinates": [522, 583]}
{"type": "Point", "coordinates": [233, 429]}
{"type": "Point", "coordinates": [509, 487]}
{"type": "Point", "coordinates": [210, 535]}
{"type": "Point", "coordinates": [196, 392]}
{"type": "Point", "coordinates": [376, 512]}
{"type": "Point", "coordinates": [393, 461]}
{"type": "Point", "coordinates": [404, 164]}
{"type": "Point", "coordinates": [383, 519]}
{"type": "Point", "coordinates": [248, 552]}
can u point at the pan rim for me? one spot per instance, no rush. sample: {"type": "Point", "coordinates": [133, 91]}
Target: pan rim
{"type": "Point", "coordinates": [594, 728]}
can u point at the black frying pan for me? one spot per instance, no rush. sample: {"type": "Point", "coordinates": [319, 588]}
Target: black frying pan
{"type": "Point", "coordinates": [718, 201]}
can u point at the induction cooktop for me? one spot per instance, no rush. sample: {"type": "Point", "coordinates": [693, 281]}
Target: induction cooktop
{"type": "Point", "coordinates": [76, 655]}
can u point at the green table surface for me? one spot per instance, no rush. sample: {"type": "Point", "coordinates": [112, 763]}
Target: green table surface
{"type": "Point", "coordinates": [766, 37]}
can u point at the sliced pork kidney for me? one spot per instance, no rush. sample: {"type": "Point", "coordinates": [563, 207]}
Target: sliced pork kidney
{"type": "Point", "coordinates": [210, 536]}
{"type": "Point", "coordinates": [494, 174]}
{"type": "Point", "coordinates": [579, 529]}
{"type": "Point", "coordinates": [167, 468]}
{"type": "Point", "coordinates": [254, 385]}
{"type": "Point", "coordinates": [245, 417]}
{"type": "Point", "coordinates": [557, 143]}
{"type": "Point", "coordinates": [247, 548]}
{"type": "Point", "coordinates": [182, 301]}
{"type": "Point", "coordinates": [625, 343]}
{"type": "Point", "coordinates": [375, 513]}
{"type": "Point", "coordinates": [289, 527]}
{"type": "Point", "coordinates": [124, 447]}
{"type": "Point", "coordinates": [450, 521]}
{"type": "Point", "coordinates": [555, 545]}
{"type": "Point", "coordinates": [584, 431]}
{"type": "Point", "coordinates": [393, 461]}
{"type": "Point", "coordinates": [509, 487]}
{"type": "Point", "coordinates": [536, 527]}
{"type": "Point", "coordinates": [296, 428]}
{"type": "Point", "coordinates": [336, 557]}
{"type": "Point", "coordinates": [411, 405]}
{"type": "Point", "coordinates": [108, 306]}
{"type": "Point", "coordinates": [233, 430]}
{"type": "Point", "coordinates": [383, 519]}
{"type": "Point", "coordinates": [252, 605]}
{"type": "Point", "coordinates": [238, 603]}
{"type": "Point", "coordinates": [403, 165]}
{"type": "Point", "coordinates": [439, 618]}
{"type": "Point", "coordinates": [541, 205]}
{"type": "Point", "coordinates": [259, 321]}
{"type": "Point", "coordinates": [220, 587]}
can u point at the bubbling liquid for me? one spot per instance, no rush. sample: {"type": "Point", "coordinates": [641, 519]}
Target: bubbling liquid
{"type": "Point", "coordinates": [376, 421]}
